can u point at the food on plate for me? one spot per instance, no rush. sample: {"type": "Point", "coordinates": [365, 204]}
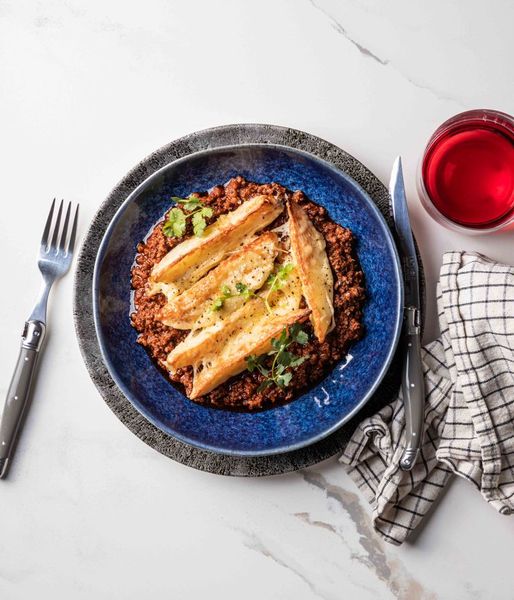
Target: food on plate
{"type": "Point", "coordinates": [244, 271]}
{"type": "Point", "coordinates": [311, 260]}
{"type": "Point", "coordinates": [244, 304]}
{"type": "Point", "coordinates": [252, 337]}
{"type": "Point", "coordinates": [187, 262]}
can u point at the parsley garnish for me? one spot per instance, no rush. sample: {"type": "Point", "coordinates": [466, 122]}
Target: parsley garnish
{"type": "Point", "coordinates": [276, 282]}
{"type": "Point", "coordinates": [244, 291]}
{"type": "Point", "coordinates": [282, 359]}
{"type": "Point", "coordinates": [175, 224]}
{"type": "Point", "coordinates": [190, 203]}
{"type": "Point", "coordinates": [220, 300]}
{"type": "Point", "coordinates": [225, 292]}
{"type": "Point", "coordinates": [217, 304]}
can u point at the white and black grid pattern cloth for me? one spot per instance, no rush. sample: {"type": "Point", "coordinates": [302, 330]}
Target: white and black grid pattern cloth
{"type": "Point", "coordinates": [469, 411]}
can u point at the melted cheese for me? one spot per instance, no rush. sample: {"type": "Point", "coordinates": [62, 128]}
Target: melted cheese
{"type": "Point", "coordinates": [190, 260]}
{"type": "Point", "coordinates": [219, 351]}
{"type": "Point", "coordinates": [309, 255]}
{"type": "Point", "coordinates": [250, 266]}
{"type": "Point", "coordinates": [216, 369]}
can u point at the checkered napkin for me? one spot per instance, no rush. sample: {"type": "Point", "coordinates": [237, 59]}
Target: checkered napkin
{"type": "Point", "coordinates": [469, 411]}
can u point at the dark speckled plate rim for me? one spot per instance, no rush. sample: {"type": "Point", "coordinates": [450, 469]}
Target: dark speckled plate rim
{"type": "Point", "coordinates": [127, 392]}
{"type": "Point", "coordinates": [224, 135]}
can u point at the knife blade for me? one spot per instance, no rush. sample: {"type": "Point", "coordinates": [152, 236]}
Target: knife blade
{"type": "Point", "coordinates": [413, 388]}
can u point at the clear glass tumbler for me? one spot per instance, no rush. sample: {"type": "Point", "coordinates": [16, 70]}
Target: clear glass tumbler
{"type": "Point", "coordinates": [466, 174]}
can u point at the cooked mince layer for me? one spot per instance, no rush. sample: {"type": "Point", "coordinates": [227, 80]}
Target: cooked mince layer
{"type": "Point", "coordinates": [240, 392]}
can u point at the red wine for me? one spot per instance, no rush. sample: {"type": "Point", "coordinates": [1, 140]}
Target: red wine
{"type": "Point", "coordinates": [468, 172]}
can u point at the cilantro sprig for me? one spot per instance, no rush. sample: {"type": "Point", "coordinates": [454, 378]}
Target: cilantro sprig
{"type": "Point", "coordinates": [225, 293]}
{"type": "Point", "coordinates": [175, 224]}
{"type": "Point", "coordinates": [276, 282]}
{"type": "Point", "coordinates": [243, 290]}
{"type": "Point", "coordinates": [218, 302]}
{"type": "Point", "coordinates": [280, 373]}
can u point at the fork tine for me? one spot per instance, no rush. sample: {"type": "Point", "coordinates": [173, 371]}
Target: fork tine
{"type": "Point", "coordinates": [62, 243]}
{"type": "Point", "coordinates": [46, 231]}
{"type": "Point", "coordinates": [53, 243]}
{"type": "Point", "coordinates": [71, 243]}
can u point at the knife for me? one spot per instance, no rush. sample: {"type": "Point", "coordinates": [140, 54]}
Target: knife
{"type": "Point", "coordinates": [413, 385]}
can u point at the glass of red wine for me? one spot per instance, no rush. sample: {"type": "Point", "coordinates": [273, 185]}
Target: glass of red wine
{"type": "Point", "coordinates": [466, 174]}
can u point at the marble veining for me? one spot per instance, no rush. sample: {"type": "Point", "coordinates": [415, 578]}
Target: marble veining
{"type": "Point", "coordinates": [367, 53]}
{"type": "Point", "coordinates": [373, 553]}
{"type": "Point", "coordinates": [253, 542]}
{"type": "Point", "coordinates": [340, 29]}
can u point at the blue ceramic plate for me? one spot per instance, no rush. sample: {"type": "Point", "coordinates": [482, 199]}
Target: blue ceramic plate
{"type": "Point", "coordinates": [315, 414]}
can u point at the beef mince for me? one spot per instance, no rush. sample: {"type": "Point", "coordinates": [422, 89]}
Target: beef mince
{"type": "Point", "coordinates": [240, 392]}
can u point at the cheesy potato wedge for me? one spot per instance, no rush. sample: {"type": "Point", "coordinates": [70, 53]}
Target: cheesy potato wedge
{"type": "Point", "coordinates": [200, 343]}
{"type": "Point", "coordinates": [253, 338]}
{"type": "Point", "coordinates": [190, 260]}
{"type": "Point", "coordinates": [288, 297]}
{"type": "Point", "coordinates": [248, 267]}
{"type": "Point", "coordinates": [219, 351]}
{"type": "Point", "coordinates": [311, 260]}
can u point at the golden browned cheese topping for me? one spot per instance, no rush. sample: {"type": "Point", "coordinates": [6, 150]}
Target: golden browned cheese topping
{"type": "Point", "coordinates": [308, 250]}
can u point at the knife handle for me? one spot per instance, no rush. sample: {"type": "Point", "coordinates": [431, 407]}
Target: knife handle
{"type": "Point", "coordinates": [413, 386]}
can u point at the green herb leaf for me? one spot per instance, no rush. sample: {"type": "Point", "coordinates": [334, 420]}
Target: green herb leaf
{"type": "Point", "coordinates": [190, 203]}
{"type": "Point", "coordinates": [220, 300]}
{"type": "Point", "coordinates": [255, 362]}
{"type": "Point", "coordinates": [281, 275]}
{"type": "Point", "coordinates": [283, 362]}
{"type": "Point", "coordinates": [266, 383]}
{"type": "Point", "coordinates": [286, 358]}
{"type": "Point", "coordinates": [175, 224]}
{"type": "Point", "coordinates": [284, 379]}
{"type": "Point", "coordinates": [198, 220]}
{"type": "Point", "coordinates": [199, 224]}
{"type": "Point", "coordinates": [275, 344]}
{"type": "Point", "coordinates": [284, 336]}
{"type": "Point", "coordinates": [217, 304]}
{"type": "Point", "coordinates": [251, 362]}
{"type": "Point", "coordinates": [263, 370]}
{"type": "Point", "coordinates": [298, 335]}
{"type": "Point", "coordinates": [244, 291]}
{"type": "Point", "coordinates": [298, 361]}
{"type": "Point", "coordinates": [276, 281]}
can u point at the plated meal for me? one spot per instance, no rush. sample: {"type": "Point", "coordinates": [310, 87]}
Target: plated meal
{"type": "Point", "coordinates": [248, 344]}
{"type": "Point", "coordinates": [247, 295]}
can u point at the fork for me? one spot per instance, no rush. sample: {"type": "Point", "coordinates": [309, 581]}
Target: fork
{"type": "Point", "coordinates": [55, 256]}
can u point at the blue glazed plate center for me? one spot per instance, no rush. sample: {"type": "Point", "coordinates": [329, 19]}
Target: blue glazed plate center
{"type": "Point", "coordinates": [315, 414]}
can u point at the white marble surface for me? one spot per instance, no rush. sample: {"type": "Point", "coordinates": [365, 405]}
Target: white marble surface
{"type": "Point", "coordinates": [87, 90]}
